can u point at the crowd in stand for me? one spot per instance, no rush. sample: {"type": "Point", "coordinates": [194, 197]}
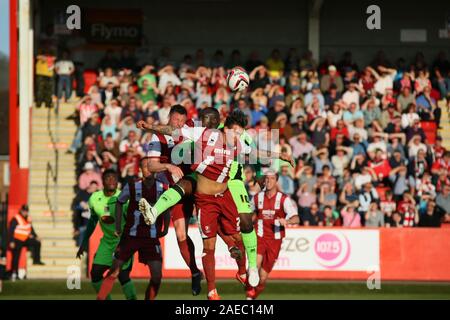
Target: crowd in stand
{"type": "Point", "coordinates": [356, 133]}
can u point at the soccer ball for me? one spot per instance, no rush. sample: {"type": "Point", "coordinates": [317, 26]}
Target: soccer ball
{"type": "Point", "coordinates": [237, 79]}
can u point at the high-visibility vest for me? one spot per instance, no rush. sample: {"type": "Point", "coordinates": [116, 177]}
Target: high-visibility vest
{"type": "Point", "coordinates": [23, 228]}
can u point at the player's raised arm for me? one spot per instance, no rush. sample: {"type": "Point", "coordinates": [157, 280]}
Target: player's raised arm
{"type": "Point", "coordinates": [124, 196]}
{"type": "Point", "coordinates": [163, 129]}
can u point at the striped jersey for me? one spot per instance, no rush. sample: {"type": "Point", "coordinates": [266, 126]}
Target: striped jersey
{"type": "Point", "coordinates": [135, 225]}
{"type": "Point", "coordinates": [269, 212]}
{"type": "Point", "coordinates": [212, 156]}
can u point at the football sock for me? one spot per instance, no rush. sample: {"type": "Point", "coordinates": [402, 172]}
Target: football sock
{"type": "Point", "coordinates": [209, 264]}
{"type": "Point", "coordinates": [188, 254]}
{"type": "Point", "coordinates": [152, 290]}
{"type": "Point", "coordinates": [129, 290]}
{"type": "Point", "coordinates": [241, 262]}
{"type": "Point", "coordinates": [106, 287]}
{"type": "Point", "coordinates": [259, 289]}
{"type": "Point", "coordinates": [168, 199]}
{"type": "Point", "coordinates": [250, 243]}
{"type": "Point", "coordinates": [97, 286]}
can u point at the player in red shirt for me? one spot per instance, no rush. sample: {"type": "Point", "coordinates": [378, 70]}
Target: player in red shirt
{"type": "Point", "coordinates": [215, 151]}
{"type": "Point", "coordinates": [161, 162]}
{"type": "Point", "coordinates": [275, 210]}
{"type": "Point", "coordinates": [137, 235]}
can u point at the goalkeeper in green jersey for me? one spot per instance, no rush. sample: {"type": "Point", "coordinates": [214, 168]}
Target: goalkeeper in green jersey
{"type": "Point", "coordinates": [102, 206]}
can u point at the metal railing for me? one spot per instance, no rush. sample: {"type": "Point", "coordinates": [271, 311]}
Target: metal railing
{"type": "Point", "coordinates": [51, 175]}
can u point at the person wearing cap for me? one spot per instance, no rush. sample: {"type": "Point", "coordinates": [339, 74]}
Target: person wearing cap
{"type": "Point", "coordinates": [22, 234]}
{"type": "Point", "coordinates": [332, 77]}
{"type": "Point", "coordinates": [89, 175]}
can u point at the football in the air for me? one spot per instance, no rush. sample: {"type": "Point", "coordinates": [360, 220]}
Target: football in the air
{"type": "Point", "coordinates": [237, 79]}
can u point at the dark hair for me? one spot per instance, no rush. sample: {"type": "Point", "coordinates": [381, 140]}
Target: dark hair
{"type": "Point", "coordinates": [178, 108]}
{"type": "Point", "coordinates": [109, 172]}
{"type": "Point", "coordinates": [236, 117]}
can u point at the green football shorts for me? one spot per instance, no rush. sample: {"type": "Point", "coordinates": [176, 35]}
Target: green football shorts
{"type": "Point", "coordinates": [105, 252]}
{"type": "Point", "coordinates": [240, 195]}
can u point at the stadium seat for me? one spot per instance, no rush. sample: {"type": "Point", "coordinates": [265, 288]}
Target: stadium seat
{"type": "Point", "coordinates": [430, 129]}
{"type": "Point", "coordinates": [90, 78]}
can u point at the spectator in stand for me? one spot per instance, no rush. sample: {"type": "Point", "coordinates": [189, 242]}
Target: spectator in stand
{"type": "Point", "coordinates": [109, 93]}
{"type": "Point", "coordinates": [81, 211]}
{"type": "Point", "coordinates": [332, 77]}
{"type": "Point", "coordinates": [351, 218]}
{"type": "Point", "coordinates": [275, 65]}
{"type": "Point", "coordinates": [88, 176]}
{"type": "Point", "coordinates": [107, 78]}
{"type": "Point", "coordinates": [45, 68]}
{"type": "Point", "coordinates": [427, 107]}
{"type": "Point", "coordinates": [64, 69]}
{"type": "Point", "coordinates": [131, 141]}
{"type": "Point", "coordinates": [443, 201]}
{"type": "Point", "coordinates": [374, 217]}
{"type": "Point", "coordinates": [432, 217]}
{"type": "Point", "coordinates": [285, 182]}
{"type": "Point", "coordinates": [313, 217]}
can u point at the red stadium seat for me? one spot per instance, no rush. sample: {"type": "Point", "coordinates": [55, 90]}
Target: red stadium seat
{"type": "Point", "coordinates": [430, 129]}
{"type": "Point", "coordinates": [90, 78]}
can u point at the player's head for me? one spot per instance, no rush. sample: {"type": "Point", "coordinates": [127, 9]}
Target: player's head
{"type": "Point", "coordinates": [210, 118]}
{"type": "Point", "coordinates": [270, 180]}
{"type": "Point", "coordinates": [110, 180]}
{"type": "Point", "coordinates": [177, 116]}
{"type": "Point", "coordinates": [235, 124]}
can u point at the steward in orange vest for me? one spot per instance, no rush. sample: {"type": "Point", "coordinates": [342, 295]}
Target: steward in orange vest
{"type": "Point", "coordinates": [22, 234]}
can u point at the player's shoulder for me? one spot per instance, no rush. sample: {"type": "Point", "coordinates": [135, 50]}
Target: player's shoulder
{"type": "Point", "coordinates": [96, 196]}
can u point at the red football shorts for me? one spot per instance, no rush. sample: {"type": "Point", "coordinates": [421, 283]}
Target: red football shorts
{"type": "Point", "coordinates": [269, 249]}
{"type": "Point", "coordinates": [214, 211]}
{"type": "Point", "coordinates": [183, 209]}
{"type": "Point", "coordinates": [148, 249]}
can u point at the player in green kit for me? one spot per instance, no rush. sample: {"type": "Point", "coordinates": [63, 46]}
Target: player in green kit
{"type": "Point", "coordinates": [102, 206]}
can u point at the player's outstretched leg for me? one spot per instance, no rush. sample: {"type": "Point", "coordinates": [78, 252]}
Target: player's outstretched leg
{"type": "Point", "coordinates": [109, 280]}
{"type": "Point", "coordinates": [127, 284]}
{"type": "Point", "coordinates": [236, 249]}
{"type": "Point", "coordinates": [241, 275]}
{"type": "Point", "coordinates": [155, 267]}
{"type": "Point", "coordinates": [187, 248]}
{"type": "Point", "coordinates": [209, 265]}
{"type": "Point", "coordinates": [97, 272]}
{"type": "Point", "coordinates": [167, 200]}
{"type": "Point", "coordinates": [250, 241]}
{"type": "Point", "coordinates": [241, 199]}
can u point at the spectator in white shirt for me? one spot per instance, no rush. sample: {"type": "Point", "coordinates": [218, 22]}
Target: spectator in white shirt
{"type": "Point", "coordinates": [351, 95]}
{"type": "Point", "coordinates": [108, 77]}
{"type": "Point", "coordinates": [114, 111]}
{"type": "Point", "coordinates": [131, 142]}
{"type": "Point", "coordinates": [166, 75]}
{"type": "Point", "coordinates": [385, 79]}
{"type": "Point", "coordinates": [64, 69]}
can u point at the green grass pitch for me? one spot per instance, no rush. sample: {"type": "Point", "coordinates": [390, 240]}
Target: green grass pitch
{"type": "Point", "coordinates": [228, 289]}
